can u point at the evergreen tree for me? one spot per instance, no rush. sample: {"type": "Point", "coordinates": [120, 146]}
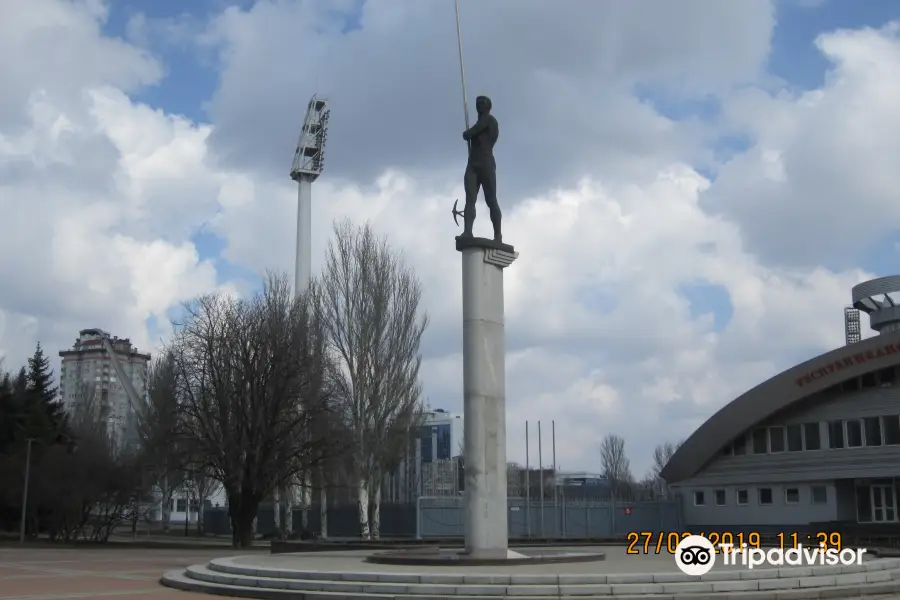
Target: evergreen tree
{"type": "Point", "coordinates": [44, 416]}
{"type": "Point", "coordinates": [20, 388]}
{"type": "Point", "coordinates": [40, 378]}
{"type": "Point", "coordinates": [10, 414]}
{"type": "Point", "coordinates": [14, 407]}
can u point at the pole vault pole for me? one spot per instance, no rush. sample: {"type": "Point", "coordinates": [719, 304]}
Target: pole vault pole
{"type": "Point", "coordinates": [462, 68]}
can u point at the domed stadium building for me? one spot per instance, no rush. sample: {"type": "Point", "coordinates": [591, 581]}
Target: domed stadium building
{"type": "Point", "coordinates": [817, 444]}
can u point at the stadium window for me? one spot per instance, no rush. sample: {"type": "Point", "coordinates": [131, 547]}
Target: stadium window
{"type": "Point", "coordinates": [794, 438]}
{"type": "Point", "coordinates": [760, 441]}
{"type": "Point", "coordinates": [886, 377]}
{"type": "Point", "coordinates": [792, 496]}
{"type": "Point", "coordinates": [765, 496]}
{"type": "Point", "coordinates": [891, 426]}
{"type": "Point", "coordinates": [699, 498]}
{"type": "Point", "coordinates": [836, 434]}
{"type": "Point", "coordinates": [740, 445]}
{"type": "Point", "coordinates": [819, 494]}
{"type": "Point", "coordinates": [720, 497]}
{"type": "Point", "coordinates": [868, 380]}
{"type": "Point", "coordinates": [872, 427]}
{"type": "Point", "coordinates": [776, 438]}
{"type": "Point", "coordinates": [854, 433]}
{"type": "Point", "coordinates": [850, 385]}
{"type": "Point", "coordinates": [812, 436]}
{"type": "Point", "coordinates": [742, 497]}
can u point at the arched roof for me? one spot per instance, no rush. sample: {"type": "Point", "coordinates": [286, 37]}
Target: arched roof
{"type": "Point", "coordinates": [777, 393]}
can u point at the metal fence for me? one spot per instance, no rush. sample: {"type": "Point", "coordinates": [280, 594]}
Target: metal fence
{"type": "Point", "coordinates": [442, 517]}
{"type": "Point", "coordinates": [397, 520]}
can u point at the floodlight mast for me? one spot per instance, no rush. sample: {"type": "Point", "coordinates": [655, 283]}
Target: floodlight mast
{"type": "Point", "coordinates": [309, 159]}
{"type": "Point", "coordinates": [852, 329]}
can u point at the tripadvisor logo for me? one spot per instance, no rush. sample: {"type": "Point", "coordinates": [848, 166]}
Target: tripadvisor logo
{"type": "Point", "coordinates": [695, 555]}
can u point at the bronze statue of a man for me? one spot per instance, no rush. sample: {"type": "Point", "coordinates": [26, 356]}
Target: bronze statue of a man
{"type": "Point", "coordinates": [481, 171]}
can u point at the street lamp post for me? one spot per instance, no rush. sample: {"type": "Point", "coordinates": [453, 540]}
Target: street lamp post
{"type": "Point", "coordinates": [25, 491]}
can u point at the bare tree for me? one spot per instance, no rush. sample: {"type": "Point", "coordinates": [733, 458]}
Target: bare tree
{"type": "Point", "coordinates": [369, 304]}
{"type": "Point", "coordinates": [86, 487]}
{"type": "Point", "coordinates": [334, 470]}
{"type": "Point", "coordinates": [199, 485]}
{"type": "Point", "coordinates": [397, 438]}
{"type": "Point", "coordinates": [662, 454]}
{"type": "Point", "coordinates": [615, 465]}
{"type": "Point", "coordinates": [163, 451]}
{"type": "Point", "coordinates": [251, 382]}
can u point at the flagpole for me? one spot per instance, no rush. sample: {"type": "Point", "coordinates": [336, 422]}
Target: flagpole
{"type": "Point", "coordinates": [462, 69]}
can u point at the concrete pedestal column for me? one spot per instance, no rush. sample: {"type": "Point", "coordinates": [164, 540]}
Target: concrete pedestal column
{"type": "Point", "coordinates": [484, 402]}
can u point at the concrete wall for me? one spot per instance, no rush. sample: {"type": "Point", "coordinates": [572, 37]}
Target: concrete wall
{"type": "Point", "coordinates": [753, 515]}
{"type": "Point", "coordinates": [845, 493]}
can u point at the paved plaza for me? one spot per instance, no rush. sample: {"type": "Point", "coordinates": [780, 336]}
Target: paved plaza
{"type": "Point", "coordinates": [47, 573]}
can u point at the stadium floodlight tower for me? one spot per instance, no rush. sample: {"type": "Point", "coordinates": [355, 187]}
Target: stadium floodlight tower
{"type": "Point", "coordinates": [309, 159]}
{"type": "Point", "coordinates": [880, 299]}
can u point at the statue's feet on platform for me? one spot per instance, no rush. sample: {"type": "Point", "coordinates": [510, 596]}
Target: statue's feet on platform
{"type": "Point", "coordinates": [467, 240]}
{"type": "Point", "coordinates": [466, 234]}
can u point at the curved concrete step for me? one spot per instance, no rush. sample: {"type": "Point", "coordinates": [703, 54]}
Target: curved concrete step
{"type": "Point", "coordinates": [179, 580]}
{"type": "Point", "coordinates": [348, 584]}
{"type": "Point", "coordinates": [240, 565]}
{"type": "Point", "coordinates": [224, 577]}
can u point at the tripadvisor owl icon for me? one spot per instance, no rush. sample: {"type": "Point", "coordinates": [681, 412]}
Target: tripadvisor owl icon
{"type": "Point", "coordinates": [695, 555]}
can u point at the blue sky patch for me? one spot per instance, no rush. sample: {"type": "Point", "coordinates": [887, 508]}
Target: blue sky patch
{"type": "Point", "coordinates": [795, 58]}
{"type": "Point", "coordinates": [708, 298]}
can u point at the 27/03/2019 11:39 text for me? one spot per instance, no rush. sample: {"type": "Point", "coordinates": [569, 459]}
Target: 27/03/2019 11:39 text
{"type": "Point", "coordinates": [657, 542]}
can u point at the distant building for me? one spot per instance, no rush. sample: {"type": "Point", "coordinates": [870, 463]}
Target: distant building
{"type": "Point", "coordinates": [524, 483]}
{"type": "Point", "coordinates": [432, 466]}
{"type": "Point", "coordinates": [441, 436]}
{"type": "Point", "coordinates": [580, 479]}
{"type": "Point", "coordinates": [88, 373]}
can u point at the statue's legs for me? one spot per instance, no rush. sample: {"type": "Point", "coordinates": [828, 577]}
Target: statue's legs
{"type": "Point", "coordinates": [471, 185]}
{"type": "Point", "coordinates": [488, 179]}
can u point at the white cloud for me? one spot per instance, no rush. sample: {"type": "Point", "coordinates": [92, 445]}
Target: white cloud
{"type": "Point", "coordinates": [100, 195]}
{"type": "Point", "coordinates": [819, 181]}
{"type": "Point", "coordinates": [55, 47]}
{"type": "Point", "coordinates": [560, 75]}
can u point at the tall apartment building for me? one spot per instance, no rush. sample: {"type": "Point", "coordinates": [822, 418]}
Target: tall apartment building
{"type": "Point", "coordinates": [88, 370]}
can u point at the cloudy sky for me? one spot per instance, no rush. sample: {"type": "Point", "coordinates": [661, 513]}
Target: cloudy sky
{"type": "Point", "coordinates": [693, 186]}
